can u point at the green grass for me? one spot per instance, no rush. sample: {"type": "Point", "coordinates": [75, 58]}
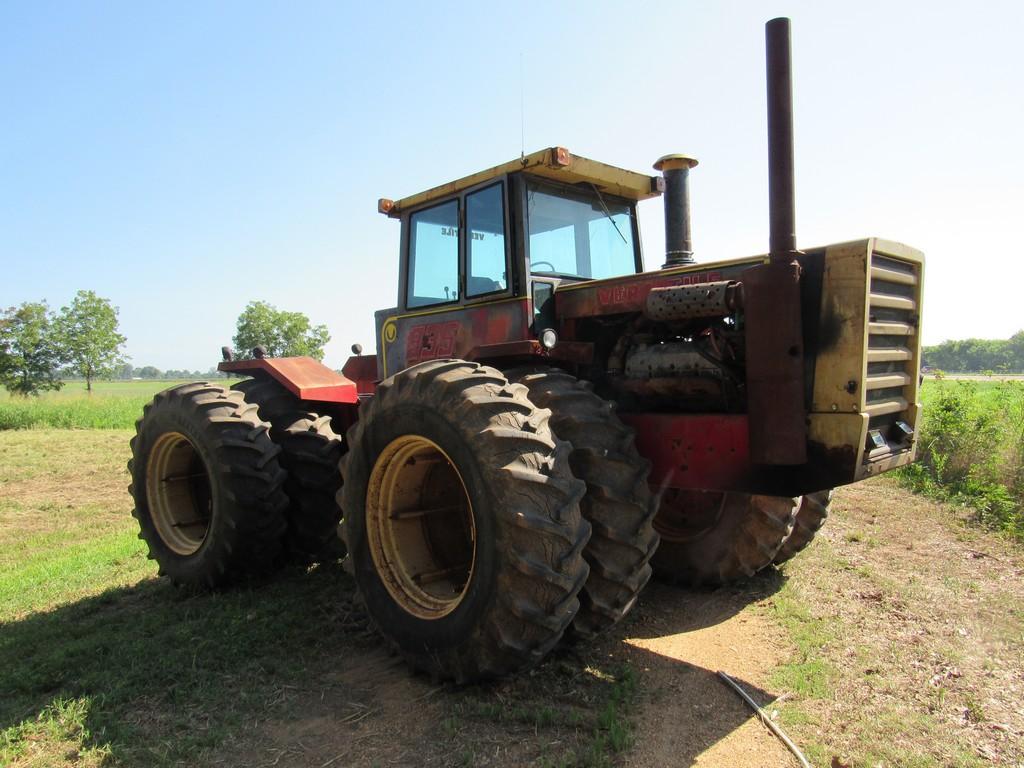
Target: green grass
{"type": "Point", "coordinates": [103, 664]}
{"type": "Point", "coordinates": [112, 405]}
{"type": "Point", "coordinates": [971, 450]}
{"type": "Point", "coordinates": [165, 676]}
{"type": "Point", "coordinates": [100, 659]}
{"type": "Point", "coordinates": [808, 672]}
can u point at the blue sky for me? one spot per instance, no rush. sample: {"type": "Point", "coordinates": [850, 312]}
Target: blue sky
{"type": "Point", "coordinates": [184, 159]}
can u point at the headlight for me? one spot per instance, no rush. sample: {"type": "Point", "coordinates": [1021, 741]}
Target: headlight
{"type": "Point", "coordinates": [548, 338]}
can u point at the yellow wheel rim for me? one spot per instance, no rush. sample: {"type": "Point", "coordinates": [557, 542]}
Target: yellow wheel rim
{"type": "Point", "coordinates": [178, 493]}
{"type": "Point", "coordinates": [420, 527]}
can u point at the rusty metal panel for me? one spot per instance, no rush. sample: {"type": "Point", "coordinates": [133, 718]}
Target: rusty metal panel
{"type": "Point", "coordinates": [775, 368]}
{"type": "Point", "coordinates": [455, 332]}
{"type": "Point", "coordinates": [705, 451]}
{"type": "Point", "coordinates": [628, 294]}
{"type": "Point", "coordinates": [691, 302]}
{"type": "Point", "coordinates": [362, 369]}
{"type": "Point", "coordinates": [576, 352]}
{"type": "Point", "coordinates": [306, 378]}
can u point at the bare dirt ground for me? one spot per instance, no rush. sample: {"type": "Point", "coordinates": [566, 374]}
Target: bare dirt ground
{"type": "Point", "coordinates": [372, 712]}
{"type": "Point", "coordinates": [919, 663]}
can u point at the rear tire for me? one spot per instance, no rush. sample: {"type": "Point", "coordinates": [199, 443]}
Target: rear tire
{"type": "Point", "coordinates": [462, 521]}
{"type": "Point", "coordinates": [813, 512]}
{"type": "Point", "coordinates": [714, 538]}
{"type": "Point", "coordinates": [310, 451]}
{"type": "Point", "coordinates": [207, 485]}
{"type": "Point", "coordinates": [618, 504]}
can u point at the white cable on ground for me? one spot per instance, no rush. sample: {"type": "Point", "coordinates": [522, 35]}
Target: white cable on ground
{"type": "Point", "coordinates": [766, 720]}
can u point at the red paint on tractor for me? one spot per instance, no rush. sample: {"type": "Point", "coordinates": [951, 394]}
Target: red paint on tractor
{"type": "Point", "coordinates": [362, 369]}
{"type": "Point", "coordinates": [454, 333]}
{"type": "Point", "coordinates": [304, 377]}
{"type": "Point", "coordinates": [700, 451]}
{"type": "Point", "coordinates": [627, 294]}
{"type": "Point", "coordinates": [430, 341]}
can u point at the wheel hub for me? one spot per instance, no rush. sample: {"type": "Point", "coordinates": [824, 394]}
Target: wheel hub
{"type": "Point", "coordinates": [178, 493]}
{"type": "Point", "coordinates": [420, 527]}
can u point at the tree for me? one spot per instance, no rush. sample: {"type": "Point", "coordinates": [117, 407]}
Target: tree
{"type": "Point", "coordinates": [974, 355]}
{"type": "Point", "coordinates": [88, 334]}
{"type": "Point", "coordinates": [282, 334]}
{"type": "Point", "coordinates": [29, 353]}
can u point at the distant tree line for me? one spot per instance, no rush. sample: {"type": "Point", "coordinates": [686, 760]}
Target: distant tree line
{"type": "Point", "coordinates": [40, 347]}
{"type": "Point", "coordinates": [128, 371]}
{"type": "Point", "coordinates": [977, 355]}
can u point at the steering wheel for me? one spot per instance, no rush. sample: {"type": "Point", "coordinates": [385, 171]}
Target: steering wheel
{"type": "Point", "coordinates": [535, 263]}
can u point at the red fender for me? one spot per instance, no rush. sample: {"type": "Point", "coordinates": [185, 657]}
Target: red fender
{"type": "Point", "coordinates": [304, 377]}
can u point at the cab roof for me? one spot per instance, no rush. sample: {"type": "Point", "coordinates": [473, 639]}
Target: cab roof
{"type": "Point", "coordinates": [555, 163]}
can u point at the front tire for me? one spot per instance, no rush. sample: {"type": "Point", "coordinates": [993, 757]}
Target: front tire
{"type": "Point", "coordinates": [207, 485]}
{"type": "Point", "coordinates": [618, 504]}
{"type": "Point", "coordinates": [813, 512]}
{"type": "Point", "coordinates": [715, 538]}
{"type": "Point", "coordinates": [462, 521]}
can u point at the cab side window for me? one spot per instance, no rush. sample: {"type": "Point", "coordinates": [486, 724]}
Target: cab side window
{"type": "Point", "coordinates": [485, 244]}
{"type": "Point", "coordinates": [434, 255]}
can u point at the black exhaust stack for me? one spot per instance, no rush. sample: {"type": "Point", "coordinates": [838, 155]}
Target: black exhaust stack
{"type": "Point", "coordinates": [781, 200]}
{"type": "Point", "coordinates": [678, 245]}
{"type": "Point", "coordinates": [774, 333]}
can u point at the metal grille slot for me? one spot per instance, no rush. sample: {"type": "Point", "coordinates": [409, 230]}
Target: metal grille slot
{"type": "Point", "coordinates": [893, 302]}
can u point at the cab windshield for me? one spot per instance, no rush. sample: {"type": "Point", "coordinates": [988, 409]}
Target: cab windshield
{"type": "Point", "coordinates": [579, 233]}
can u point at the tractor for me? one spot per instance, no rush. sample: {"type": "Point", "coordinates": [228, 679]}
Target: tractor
{"type": "Point", "coordinates": [545, 424]}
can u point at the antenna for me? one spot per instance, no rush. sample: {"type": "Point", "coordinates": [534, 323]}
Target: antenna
{"type": "Point", "coordinates": [522, 112]}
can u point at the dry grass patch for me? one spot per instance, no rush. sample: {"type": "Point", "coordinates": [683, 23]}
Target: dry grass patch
{"type": "Point", "coordinates": [917, 621]}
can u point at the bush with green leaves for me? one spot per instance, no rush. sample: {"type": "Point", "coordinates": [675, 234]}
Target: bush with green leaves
{"type": "Point", "coordinates": [971, 450]}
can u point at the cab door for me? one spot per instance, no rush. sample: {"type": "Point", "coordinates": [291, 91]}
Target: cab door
{"type": "Point", "coordinates": [458, 290]}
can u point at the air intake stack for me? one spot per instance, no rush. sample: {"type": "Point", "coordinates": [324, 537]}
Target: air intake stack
{"type": "Point", "coordinates": [678, 245]}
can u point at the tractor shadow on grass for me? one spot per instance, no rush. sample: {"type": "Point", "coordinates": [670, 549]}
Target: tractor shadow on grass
{"type": "Point", "coordinates": [288, 673]}
{"type": "Point", "coordinates": [159, 675]}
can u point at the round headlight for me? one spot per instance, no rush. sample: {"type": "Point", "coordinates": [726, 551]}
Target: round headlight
{"type": "Point", "coordinates": [548, 338]}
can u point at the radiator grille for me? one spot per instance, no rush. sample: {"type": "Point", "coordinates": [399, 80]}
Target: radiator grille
{"type": "Point", "coordinates": [893, 319]}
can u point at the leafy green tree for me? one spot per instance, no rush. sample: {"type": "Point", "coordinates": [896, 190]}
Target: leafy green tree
{"type": "Point", "coordinates": [87, 330]}
{"type": "Point", "coordinates": [30, 356]}
{"type": "Point", "coordinates": [281, 333]}
{"type": "Point", "coordinates": [148, 372]}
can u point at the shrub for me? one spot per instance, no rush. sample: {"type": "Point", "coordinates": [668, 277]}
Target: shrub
{"type": "Point", "coordinates": [971, 450]}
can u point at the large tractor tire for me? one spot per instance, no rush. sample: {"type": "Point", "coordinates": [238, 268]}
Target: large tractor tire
{"type": "Point", "coordinates": [618, 504]}
{"type": "Point", "coordinates": [310, 451]}
{"type": "Point", "coordinates": [712, 538]}
{"type": "Point", "coordinates": [462, 521]}
{"type": "Point", "coordinates": [809, 519]}
{"type": "Point", "coordinates": [207, 485]}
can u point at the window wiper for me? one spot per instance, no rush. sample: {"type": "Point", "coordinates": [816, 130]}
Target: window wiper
{"type": "Point", "coordinates": [559, 274]}
{"type": "Point", "coordinates": [608, 213]}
